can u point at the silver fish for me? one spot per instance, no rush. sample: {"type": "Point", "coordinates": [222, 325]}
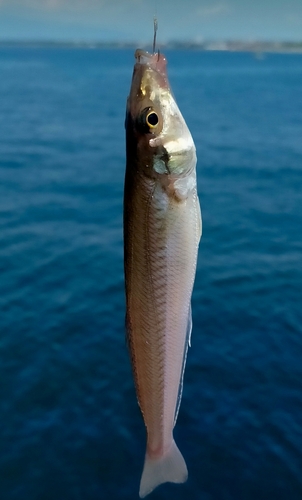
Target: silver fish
{"type": "Point", "coordinates": [162, 229]}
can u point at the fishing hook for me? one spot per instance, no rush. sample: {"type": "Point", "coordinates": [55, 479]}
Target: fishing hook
{"type": "Point", "coordinates": [155, 31]}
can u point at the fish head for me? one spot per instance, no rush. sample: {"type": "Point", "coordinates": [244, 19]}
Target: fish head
{"type": "Point", "coordinates": [157, 136]}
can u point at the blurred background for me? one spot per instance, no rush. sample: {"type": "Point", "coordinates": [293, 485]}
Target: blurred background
{"type": "Point", "coordinates": [70, 424]}
{"type": "Point", "coordinates": [130, 20]}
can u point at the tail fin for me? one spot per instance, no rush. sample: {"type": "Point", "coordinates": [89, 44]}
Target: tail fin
{"type": "Point", "coordinates": [171, 467]}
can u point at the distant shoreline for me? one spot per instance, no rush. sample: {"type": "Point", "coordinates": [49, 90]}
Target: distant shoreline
{"type": "Point", "coordinates": [228, 46]}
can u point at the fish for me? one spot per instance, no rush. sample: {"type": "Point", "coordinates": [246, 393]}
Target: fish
{"type": "Point", "coordinates": [162, 229]}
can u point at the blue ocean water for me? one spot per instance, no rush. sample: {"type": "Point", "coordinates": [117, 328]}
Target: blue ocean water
{"type": "Point", "coordinates": [70, 424]}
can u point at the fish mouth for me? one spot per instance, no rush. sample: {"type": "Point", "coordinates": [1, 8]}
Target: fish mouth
{"type": "Point", "coordinates": [156, 61]}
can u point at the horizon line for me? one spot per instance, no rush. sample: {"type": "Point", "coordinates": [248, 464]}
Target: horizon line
{"type": "Point", "coordinates": [235, 45]}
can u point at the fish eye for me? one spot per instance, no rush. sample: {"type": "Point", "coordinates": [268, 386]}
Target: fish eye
{"type": "Point", "coordinates": [152, 119]}
{"type": "Point", "coordinates": [149, 121]}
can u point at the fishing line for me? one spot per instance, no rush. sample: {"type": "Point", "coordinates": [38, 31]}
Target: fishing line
{"type": "Point", "coordinates": [155, 26]}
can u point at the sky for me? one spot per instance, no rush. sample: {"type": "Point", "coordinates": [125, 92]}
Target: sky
{"type": "Point", "coordinates": [132, 20]}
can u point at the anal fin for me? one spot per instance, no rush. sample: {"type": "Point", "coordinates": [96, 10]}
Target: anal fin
{"type": "Point", "coordinates": [187, 344]}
